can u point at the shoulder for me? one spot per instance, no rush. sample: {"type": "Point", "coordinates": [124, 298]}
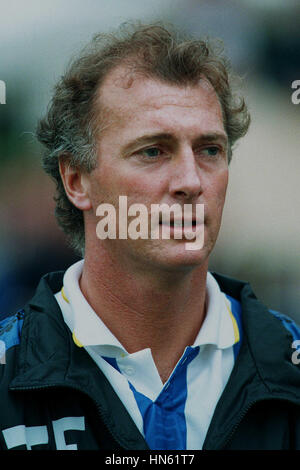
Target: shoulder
{"type": "Point", "coordinates": [10, 338]}
{"type": "Point", "coordinates": [10, 332]}
{"type": "Point", "coordinates": [253, 313]}
{"type": "Point", "coordinates": [288, 323]}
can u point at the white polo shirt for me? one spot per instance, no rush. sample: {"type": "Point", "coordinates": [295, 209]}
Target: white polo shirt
{"type": "Point", "coordinates": [174, 415]}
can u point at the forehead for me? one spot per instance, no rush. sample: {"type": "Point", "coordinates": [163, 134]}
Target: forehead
{"type": "Point", "coordinates": [126, 95]}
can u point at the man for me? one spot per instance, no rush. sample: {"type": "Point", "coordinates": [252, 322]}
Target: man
{"type": "Point", "coordinates": [138, 346]}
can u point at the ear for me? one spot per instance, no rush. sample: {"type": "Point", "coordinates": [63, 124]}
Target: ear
{"type": "Point", "coordinates": [76, 184]}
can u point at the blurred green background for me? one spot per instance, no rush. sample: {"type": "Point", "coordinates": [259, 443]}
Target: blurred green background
{"type": "Point", "coordinates": [259, 239]}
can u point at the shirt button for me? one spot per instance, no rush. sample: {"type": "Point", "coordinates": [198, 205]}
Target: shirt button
{"type": "Point", "coordinates": [129, 370]}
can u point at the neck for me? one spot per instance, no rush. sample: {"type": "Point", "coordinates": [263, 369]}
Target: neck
{"type": "Point", "coordinates": [145, 310]}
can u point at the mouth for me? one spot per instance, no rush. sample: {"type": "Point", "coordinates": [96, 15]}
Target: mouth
{"type": "Point", "coordinates": [180, 223]}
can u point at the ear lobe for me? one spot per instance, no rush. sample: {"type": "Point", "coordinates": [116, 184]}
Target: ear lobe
{"type": "Point", "coordinates": [76, 185]}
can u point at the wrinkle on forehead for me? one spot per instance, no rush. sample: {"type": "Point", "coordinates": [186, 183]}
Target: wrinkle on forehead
{"type": "Point", "coordinates": [125, 89]}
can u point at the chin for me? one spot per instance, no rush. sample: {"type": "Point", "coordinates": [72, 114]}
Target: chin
{"type": "Point", "coordinates": [177, 258]}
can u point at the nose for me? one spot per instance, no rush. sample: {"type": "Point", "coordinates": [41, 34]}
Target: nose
{"type": "Point", "coordinates": [185, 181]}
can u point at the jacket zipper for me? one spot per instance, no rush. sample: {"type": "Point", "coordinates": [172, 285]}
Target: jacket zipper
{"type": "Point", "coordinates": [238, 422]}
{"type": "Point", "coordinates": [100, 412]}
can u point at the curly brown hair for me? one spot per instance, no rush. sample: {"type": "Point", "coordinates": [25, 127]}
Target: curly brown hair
{"type": "Point", "coordinates": [69, 127]}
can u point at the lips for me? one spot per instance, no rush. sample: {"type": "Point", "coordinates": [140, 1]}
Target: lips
{"type": "Point", "coordinates": [180, 223]}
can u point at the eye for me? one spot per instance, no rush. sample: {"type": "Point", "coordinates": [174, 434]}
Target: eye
{"type": "Point", "coordinates": [151, 152]}
{"type": "Point", "coordinates": [211, 151]}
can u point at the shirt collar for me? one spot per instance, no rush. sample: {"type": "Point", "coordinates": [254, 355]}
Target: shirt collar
{"type": "Point", "coordinates": [87, 327]}
{"type": "Point", "coordinates": [218, 328]}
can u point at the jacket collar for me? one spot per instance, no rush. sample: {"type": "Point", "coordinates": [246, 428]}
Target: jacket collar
{"type": "Point", "coordinates": [263, 369]}
{"type": "Point", "coordinates": [268, 342]}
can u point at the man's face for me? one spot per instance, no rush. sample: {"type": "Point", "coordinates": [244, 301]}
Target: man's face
{"type": "Point", "coordinates": [161, 144]}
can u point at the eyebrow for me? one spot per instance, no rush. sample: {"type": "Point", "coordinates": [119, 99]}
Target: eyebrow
{"type": "Point", "coordinates": [218, 137]}
{"type": "Point", "coordinates": [146, 139]}
{"type": "Point", "coordinates": [212, 137]}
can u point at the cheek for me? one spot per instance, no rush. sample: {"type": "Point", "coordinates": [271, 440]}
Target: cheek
{"type": "Point", "coordinates": [223, 183]}
{"type": "Point", "coordinates": [217, 191]}
{"type": "Point", "coordinates": [219, 179]}
{"type": "Point", "coordinates": [108, 183]}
